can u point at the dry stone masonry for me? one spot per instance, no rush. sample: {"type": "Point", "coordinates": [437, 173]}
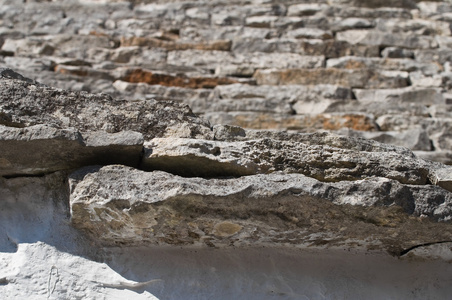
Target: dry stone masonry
{"type": "Point", "coordinates": [184, 149]}
{"type": "Point", "coordinates": [374, 69]}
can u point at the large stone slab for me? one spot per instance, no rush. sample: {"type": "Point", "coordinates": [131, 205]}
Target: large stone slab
{"type": "Point", "coordinates": [24, 104]}
{"type": "Point", "coordinates": [326, 162]}
{"type": "Point", "coordinates": [360, 78]}
{"type": "Point", "coordinates": [119, 205]}
{"type": "Point", "coordinates": [41, 149]}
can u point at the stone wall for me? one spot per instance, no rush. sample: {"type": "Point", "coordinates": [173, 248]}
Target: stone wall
{"type": "Point", "coordinates": [374, 69]}
{"type": "Point", "coordinates": [264, 188]}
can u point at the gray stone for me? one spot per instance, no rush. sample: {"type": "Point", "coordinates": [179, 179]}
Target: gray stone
{"type": "Point", "coordinates": [425, 97]}
{"type": "Point", "coordinates": [383, 39]}
{"type": "Point", "coordinates": [394, 52]}
{"type": "Point", "coordinates": [41, 149]}
{"type": "Point", "coordinates": [310, 33]}
{"type": "Point", "coordinates": [305, 9]}
{"type": "Point", "coordinates": [352, 23]}
{"type": "Point", "coordinates": [195, 211]}
{"type": "Point", "coordinates": [415, 139]}
{"type": "Point", "coordinates": [407, 65]}
{"type": "Point", "coordinates": [443, 178]}
{"type": "Point", "coordinates": [444, 157]}
{"type": "Point", "coordinates": [302, 123]}
{"type": "Point", "coordinates": [359, 78]}
{"type": "Point", "coordinates": [190, 157]}
{"type": "Point", "coordinates": [27, 104]}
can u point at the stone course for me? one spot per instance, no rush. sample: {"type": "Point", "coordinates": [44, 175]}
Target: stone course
{"type": "Point", "coordinates": [130, 128]}
{"type": "Point", "coordinates": [393, 59]}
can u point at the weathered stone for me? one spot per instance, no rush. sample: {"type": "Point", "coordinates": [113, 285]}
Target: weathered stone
{"type": "Point", "coordinates": [383, 39]}
{"type": "Point", "coordinates": [415, 26]}
{"type": "Point", "coordinates": [444, 157]}
{"type": "Point", "coordinates": [303, 123]}
{"type": "Point", "coordinates": [407, 65]}
{"type": "Point", "coordinates": [391, 81]}
{"type": "Point", "coordinates": [310, 33]}
{"type": "Point", "coordinates": [215, 59]}
{"type": "Point", "coordinates": [352, 23]}
{"type": "Point", "coordinates": [444, 42]}
{"type": "Point", "coordinates": [373, 13]}
{"type": "Point", "coordinates": [149, 77]}
{"type": "Point", "coordinates": [333, 48]}
{"type": "Point", "coordinates": [426, 97]}
{"type": "Point", "coordinates": [420, 80]}
{"type": "Point", "coordinates": [132, 55]}
{"type": "Point", "coordinates": [26, 104]}
{"type": "Point", "coordinates": [251, 44]}
{"type": "Point", "coordinates": [443, 178]}
{"type": "Point", "coordinates": [289, 93]}
{"type": "Point", "coordinates": [228, 132]}
{"type": "Point", "coordinates": [42, 149]}
{"type": "Point", "coordinates": [305, 9]}
{"type": "Point", "coordinates": [211, 159]}
{"type": "Point", "coordinates": [360, 78]}
{"type": "Point", "coordinates": [414, 139]}
{"type": "Point", "coordinates": [261, 21]}
{"type": "Point", "coordinates": [83, 71]}
{"type": "Point", "coordinates": [394, 52]}
{"type": "Point", "coordinates": [440, 56]}
{"type": "Point", "coordinates": [135, 91]}
{"type": "Point", "coordinates": [408, 4]}
{"type": "Point", "coordinates": [390, 122]}
{"type": "Point", "coordinates": [195, 211]}
{"type": "Point", "coordinates": [170, 45]}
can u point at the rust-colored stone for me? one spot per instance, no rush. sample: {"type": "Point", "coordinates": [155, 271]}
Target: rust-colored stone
{"type": "Point", "coordinates": [220, 45]}
{"type": "Point", "coordinates": [352, 121]}
{"type": "Point", "coordinates": [304, 123]}
{"type": "Point", "coordinates": [66, 70]}
{"type": "Point", "coordinates": [355, 78]}
{"type": "Point", "coordinates": [140, 75]}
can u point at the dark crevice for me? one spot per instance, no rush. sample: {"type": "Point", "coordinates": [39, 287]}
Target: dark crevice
{"type": "Point", "coordinates": [406, 251]}
{"type": "Point", "coordinates": [37, 175]}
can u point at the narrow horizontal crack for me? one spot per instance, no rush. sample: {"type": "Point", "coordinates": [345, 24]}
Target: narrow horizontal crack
{"type": "Point", "coordinates": [406, 251]}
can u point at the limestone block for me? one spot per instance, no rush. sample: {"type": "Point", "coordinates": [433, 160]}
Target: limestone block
{"type": "Point", "coordinates": [277, 209]}
{"type": "Point", "coordinates": [352, 23]}
{"type": "Point", "coordinates": [25, 104]}
{"type": "Point", "coordinates": [414, 139]}
{"type": "Point", "coordinates": [305, 9]}
{"type": "Point", "coordinates": [261, 21]}
{"type": "Point", "coordinates": [41, 149]}
{"type": "Point", "coordinates": [381, 38]}
{"type": "Point", "coordinates": [444, 157]}
{"type": "Point", "coordinates": [310, 33]}
{"type": "Point", "coordinates": [407, 65]}
{"type": "Point", "coordinates": [360, 78]}
{"type": "Point", "coordinates": [389, 12]}
{"type": "Point", "coordinates": [394, 52]}
{"type": "Point", "coordinates": [421, 96]}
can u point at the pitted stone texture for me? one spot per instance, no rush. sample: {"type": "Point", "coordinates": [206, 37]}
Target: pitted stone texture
{"type": "Point", "coordinates": [41, 149]}
{"type": "Point", "coordinates": [304, 122]}
{"type": "Point", "coordinates": [360, 78]}
{"type": "Point", "coordinates": [120, 205]}
{"type": "Point", "coordinates": [325, 162]}
{"type": "Point", "coordinates": [25, 104]}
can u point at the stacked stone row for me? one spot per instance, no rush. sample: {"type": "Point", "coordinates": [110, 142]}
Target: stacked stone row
{"type": "Point", "coordinates": [379, 69]}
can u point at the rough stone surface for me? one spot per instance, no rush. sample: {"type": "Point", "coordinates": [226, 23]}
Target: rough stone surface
{"type": "Point", "coordinates": [324, 162]}
{"type": "Point", "coordinates": [25, 104]}
{"type": "Point", "coordinates": [262, 209]}
{"type": "Point", "coordinates": [240, 195]}
{"type": "Point", "coordinates": [41, 149]}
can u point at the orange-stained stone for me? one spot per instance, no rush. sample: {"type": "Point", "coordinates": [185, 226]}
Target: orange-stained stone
{"type": "Point", "coordinates": [140, 75]}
